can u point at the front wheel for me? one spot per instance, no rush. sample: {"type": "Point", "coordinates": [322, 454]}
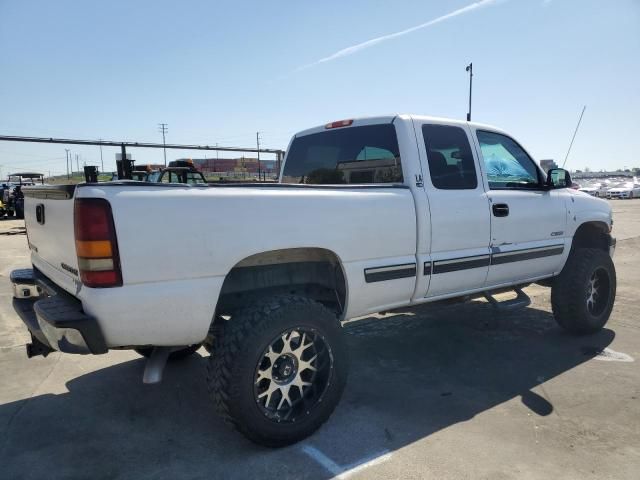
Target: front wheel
{"type": "Point", "coordinates": [583, 294]}
{"type": "Point", "coordinates": [278, 369]}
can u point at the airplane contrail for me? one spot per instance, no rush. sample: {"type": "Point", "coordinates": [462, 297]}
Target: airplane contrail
{"type": "Point", "coordinates": [374, 41]}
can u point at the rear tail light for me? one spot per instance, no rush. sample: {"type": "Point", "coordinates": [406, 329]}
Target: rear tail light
{"type": "Point", "coordinates": [96, 243]}
{"type": "Point", "coordinates": [338, 124]}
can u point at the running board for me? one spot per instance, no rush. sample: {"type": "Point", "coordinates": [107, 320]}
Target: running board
{"type": "Point", "coordinates": [522, 300]}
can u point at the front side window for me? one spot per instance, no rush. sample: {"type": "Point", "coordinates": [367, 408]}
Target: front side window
{"type": "Point", "coordinates": [451, 163]}
{"type": "Point", "coordinates": [506, 163]}
{"type": "Point", "coordinates": [351, 155]}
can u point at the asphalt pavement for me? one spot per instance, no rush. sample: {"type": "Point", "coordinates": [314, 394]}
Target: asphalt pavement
{"type": "Point", "coordinates": [447, 391]}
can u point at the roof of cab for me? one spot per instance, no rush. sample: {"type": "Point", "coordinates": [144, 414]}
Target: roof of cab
{"type": "Point", "coordinates": [361, 121]}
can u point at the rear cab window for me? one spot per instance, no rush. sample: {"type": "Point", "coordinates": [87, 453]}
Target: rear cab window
{"type": "Point", "coordinates": [366, 154]}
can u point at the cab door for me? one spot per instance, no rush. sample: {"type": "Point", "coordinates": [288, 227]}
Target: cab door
{"type": "Point", "coordinates": [528, 221]}
{"type": "Point", "coordinates": [459, 209]}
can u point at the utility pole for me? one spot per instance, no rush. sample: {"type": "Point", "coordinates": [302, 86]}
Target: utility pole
{"type": "Point", "coordinates": [258, 145]}
{"type": "Point", "coordinates": [77, 164]}
{"type": "Point", "coordinates": [470, 70]}
{"type": "Point", "coordinates": [217, 158]}
{"type": "Point", "coordinates": [67, 150]}
{"type": "Point", "coordinates": [162, 128]}
{"type": "Point", "coordinates": [101, 161]}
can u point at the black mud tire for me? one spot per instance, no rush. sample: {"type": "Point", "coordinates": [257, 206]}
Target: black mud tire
{"type": "Point", "coordinates": [570, 291]}
{"type": "Point", "coordinates": [238, 350]}
{"type": "Point", "coordinates": [175, 355]}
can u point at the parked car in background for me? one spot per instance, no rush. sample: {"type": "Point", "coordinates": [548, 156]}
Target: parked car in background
{"type": "Point", "coordinates": [178, 171]}
{"type": "Point", "coordinates": [624, 190]}
{"type": "Point", "coordinates": [590, 189]}
{"type": "Point", "coordinates": [597, 189]}
{"type": "Point", "coordinates": [11, 196]}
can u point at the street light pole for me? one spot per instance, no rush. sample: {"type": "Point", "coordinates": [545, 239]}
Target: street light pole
{"type": "Point", "coordinates": [470, 70]}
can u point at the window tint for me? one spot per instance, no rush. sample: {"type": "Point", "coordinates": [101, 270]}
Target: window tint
{"type": "Point", "coordinates": [450, 159]}
{"type": "Point", "coordinates": [506, 163]}
{"type": "Point", "coordinates": [367, 154]}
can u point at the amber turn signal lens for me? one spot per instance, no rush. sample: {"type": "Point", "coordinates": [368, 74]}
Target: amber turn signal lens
{"type": "Point", "coordinates": [94, 248]}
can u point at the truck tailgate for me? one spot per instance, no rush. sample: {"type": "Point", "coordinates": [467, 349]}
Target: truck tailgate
{"type": "Point", "coordinates": [48, 214]}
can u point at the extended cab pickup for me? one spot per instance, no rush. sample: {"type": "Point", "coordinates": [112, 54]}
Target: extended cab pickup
{"type": "Point", "coordinates": [369, 215]}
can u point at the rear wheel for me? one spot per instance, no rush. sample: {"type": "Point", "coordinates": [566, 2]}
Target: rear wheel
{"type": "Point", "coordinates": [278, 369]}
{"type": "Point", "coordinates": [582, 295]}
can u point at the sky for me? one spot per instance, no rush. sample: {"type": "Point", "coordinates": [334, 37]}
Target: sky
{"type": "Point", "coordinates": [219, 71]}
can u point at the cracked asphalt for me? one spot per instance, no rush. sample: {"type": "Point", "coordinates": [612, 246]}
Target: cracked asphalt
{"type": "Point", "coordinates": [447, 391]}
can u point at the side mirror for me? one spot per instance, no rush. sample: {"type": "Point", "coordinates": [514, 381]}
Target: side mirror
{"type": "Point", "coordinates": [558, 178]}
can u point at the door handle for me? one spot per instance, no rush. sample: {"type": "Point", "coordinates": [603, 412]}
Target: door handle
{"type": "Point", "coordinates": [500, 210]}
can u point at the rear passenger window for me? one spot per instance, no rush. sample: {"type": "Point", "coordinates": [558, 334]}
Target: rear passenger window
{"type": "Point", "coordinates": [450, 159]}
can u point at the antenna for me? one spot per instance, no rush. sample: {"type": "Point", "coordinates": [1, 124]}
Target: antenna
{"type": "Point", "coordinates": [574, 136]}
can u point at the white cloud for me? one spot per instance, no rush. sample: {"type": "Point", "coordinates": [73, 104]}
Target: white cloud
{"type": "Point", "coordinates": [374, 41]}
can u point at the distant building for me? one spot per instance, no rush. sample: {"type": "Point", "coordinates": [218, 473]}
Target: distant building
{"type": "Point", "coordinates": [548, 164]}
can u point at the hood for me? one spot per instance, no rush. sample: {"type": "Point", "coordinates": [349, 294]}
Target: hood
{"type": "Point", "coordinates": [584, 207]}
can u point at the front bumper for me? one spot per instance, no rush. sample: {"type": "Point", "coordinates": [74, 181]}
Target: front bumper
{"type": "Point", "coordinates": [54, 318]}
{"type": "Point", "coordinates": [619, 195]}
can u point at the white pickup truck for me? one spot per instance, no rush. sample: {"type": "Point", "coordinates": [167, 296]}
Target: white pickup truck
{"type": "Point", "coordinates": [369, 215]}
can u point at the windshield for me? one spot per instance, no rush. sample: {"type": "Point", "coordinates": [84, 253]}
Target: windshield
{"type": "Point", "coordinates": [351, 155]}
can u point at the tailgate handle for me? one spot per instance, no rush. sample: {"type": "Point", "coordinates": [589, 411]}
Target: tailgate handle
{"type": "Point", "coordinates": [501, 210]}
{"type": "Point", "coordinates": [40, 213]}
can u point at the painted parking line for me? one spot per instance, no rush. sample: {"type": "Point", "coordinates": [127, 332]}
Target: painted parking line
{"type": "Point", "coordinates": [343, 472]}
{"type": "Point", "coordinates": [610, 355]}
